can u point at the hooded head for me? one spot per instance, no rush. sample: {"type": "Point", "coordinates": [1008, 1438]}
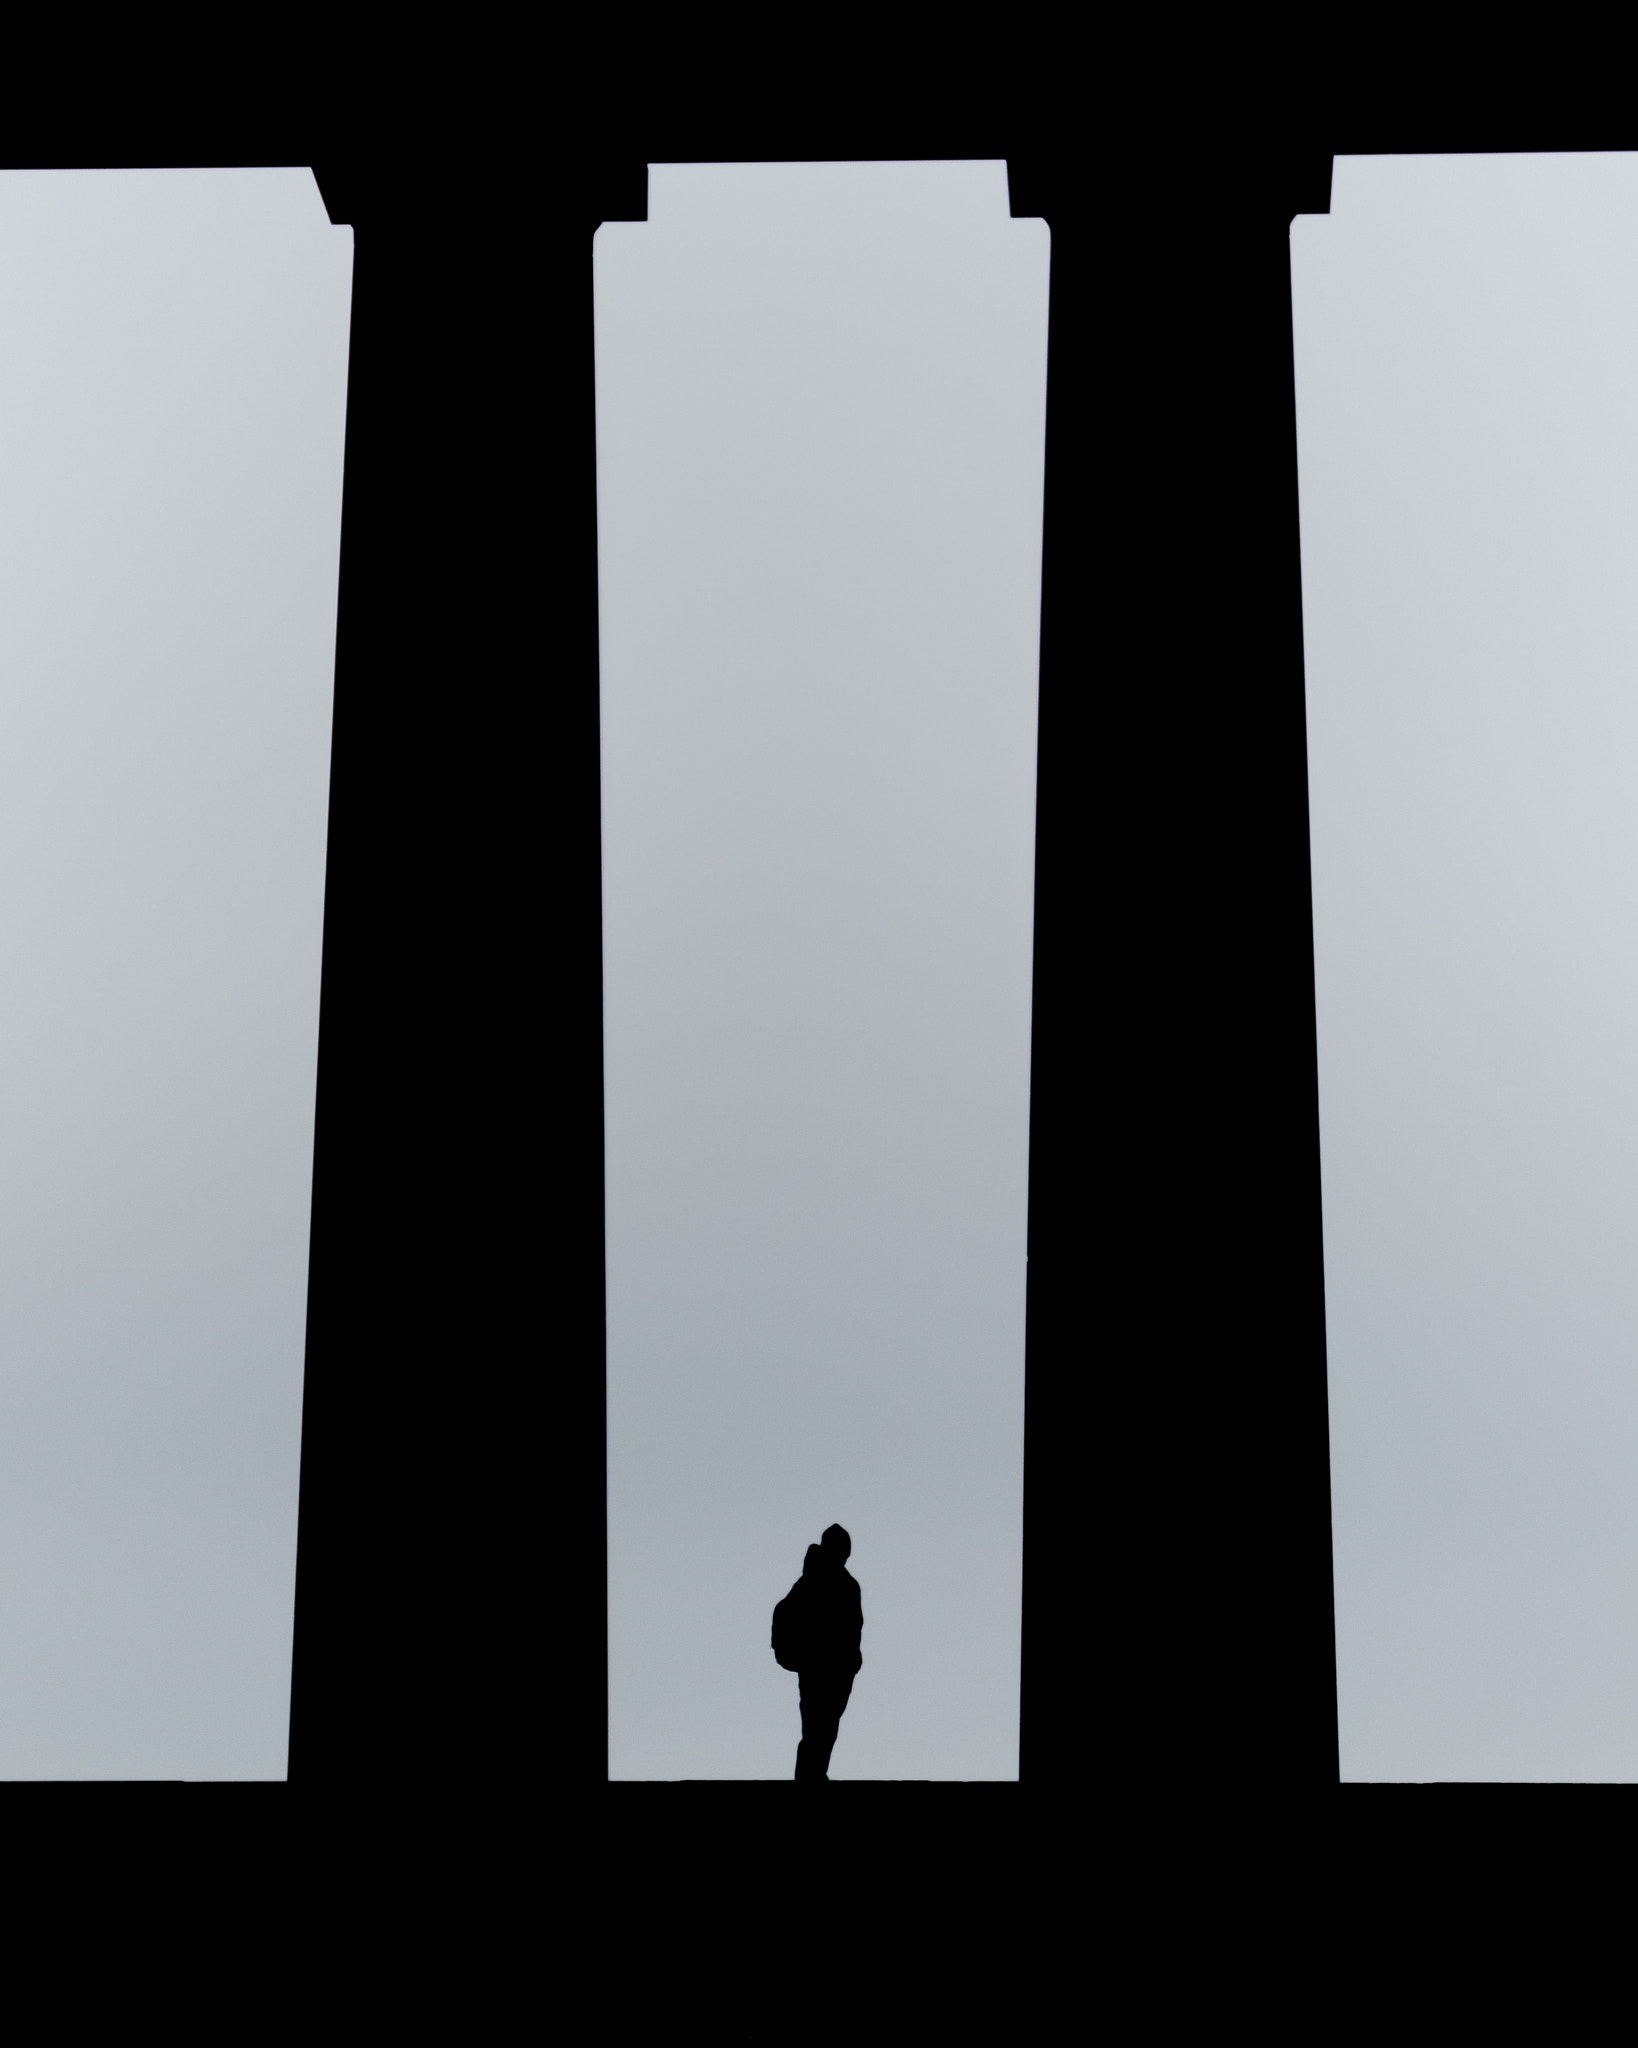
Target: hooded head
{"type": "Point", "coordinates": [836, 1546]}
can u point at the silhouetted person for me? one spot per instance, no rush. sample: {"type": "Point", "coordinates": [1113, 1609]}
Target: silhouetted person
{"type": "Point", "coordinates": [816, 1632]}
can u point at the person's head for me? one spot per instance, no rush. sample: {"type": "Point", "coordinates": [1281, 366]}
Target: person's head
{"type": "Point", "coordinates": [836, 1546]}
{"type": "Point", "coordinates": [810, 1564]}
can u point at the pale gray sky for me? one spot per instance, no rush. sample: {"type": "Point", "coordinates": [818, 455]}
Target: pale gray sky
{"type": "Point", "coordinates": [173, 359]}
{"type": "Point", "coordinates": [1466, 338]}
{"type": "Point", "coordinates": [820, 435]}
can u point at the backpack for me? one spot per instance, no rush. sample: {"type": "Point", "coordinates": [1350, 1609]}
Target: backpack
{"type": "Point", "coordinates": [787, 1641]}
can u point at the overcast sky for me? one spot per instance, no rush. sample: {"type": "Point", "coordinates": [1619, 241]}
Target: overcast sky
{"type": "Point", "coordinates": [1467, 382]}
{"type": "Point", "coordinates": [820, 433]}
{"type": "Point", "coordinates": [173, 358]}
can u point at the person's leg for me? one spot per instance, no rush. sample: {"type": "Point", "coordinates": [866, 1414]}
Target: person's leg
{"type": "Point", "coordinates": [835, 1705]}
{"type": "Point", "coordinates": [821, 1711]}
{"type": "Point", "coordinates": [823, 1740]}
{"type": "Point", "coordinates": [819, 1715]}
